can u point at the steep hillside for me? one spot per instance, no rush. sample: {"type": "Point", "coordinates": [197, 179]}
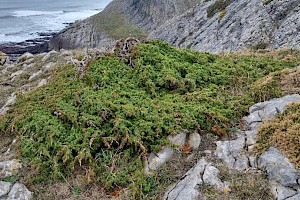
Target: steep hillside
{"type": "Point", "coordinates": [121, 18]}
{"type": "Point", "coordinates": [221, 25]}
{"type": "Point", "coordinates": [211, 25]}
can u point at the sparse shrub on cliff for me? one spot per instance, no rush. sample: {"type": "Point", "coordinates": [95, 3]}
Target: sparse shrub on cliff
{"type": "Point", "coordinates": [218, 6]}
{"type": "Point", "coordinates": [103, 124]}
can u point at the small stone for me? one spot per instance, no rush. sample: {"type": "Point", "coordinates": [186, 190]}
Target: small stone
{"type": "Point", "coordinates": [48, 66]}
{"type": "Point", "coordinates": [11, 100]}
{"type": "Point", "coordinates": [65, 53]}
{"type": "Point", "coordinates": [19, 192]}
{"type": "Point", "coordinates": [211, 177]}
{"type": "Point", "coordinates": [29, 61]}
{"type": "Point", "coordinates": [48, 55]}
{"type": "Point", "coordinates": [9, 168]}
{"type": "Point", "coordinates": [24, 57]}
{"type": "Point", "coordinates": [34, 75]}
{"type": "Point", "coordinates": [17, 73]}
{"type": "Point", "coordinates": [42, 83]}
{"type": "Point", "coordinates": [157, 160]}
{"type": "Point", "coordinates": [4, 188]}
{"type": "Point", "coordinates": [194, 140]}
{"type": "Point", "coordinates": [207, 152]}
{"type": "Point", "coordinates": [178, 139]}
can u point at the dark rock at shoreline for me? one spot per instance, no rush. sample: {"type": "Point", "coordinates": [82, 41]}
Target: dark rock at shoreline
{"type": "Point", "coordinates": [34, 46]}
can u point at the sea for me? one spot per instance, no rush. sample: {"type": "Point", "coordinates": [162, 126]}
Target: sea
{"type": "Point", "coordinates": [22, 20]}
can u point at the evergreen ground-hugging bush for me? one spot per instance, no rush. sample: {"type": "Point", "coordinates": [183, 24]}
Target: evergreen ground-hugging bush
{"type": "Point", "coordinates": [105, 123]}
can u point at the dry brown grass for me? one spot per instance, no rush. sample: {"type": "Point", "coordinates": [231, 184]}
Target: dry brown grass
{"type": "Point", "coordinates": [283, 133]}
{"type": "Point", "coordinates": [276, 84]}
{"type": "Point", "coordinates": [278, 54]}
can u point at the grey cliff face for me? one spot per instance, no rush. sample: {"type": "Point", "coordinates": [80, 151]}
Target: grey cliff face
{"type": "Point", "coordinates": [186, 24]}
{"type": "Point", "coordinates": [243, 24]}
{"type": "Point", "coordinates": [144, 14]}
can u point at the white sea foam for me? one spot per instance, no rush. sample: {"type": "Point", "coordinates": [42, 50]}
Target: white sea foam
{"type": "Point", "coordinates": [20, 22]}
{"type": "Point", "coordinates": [29, 13]}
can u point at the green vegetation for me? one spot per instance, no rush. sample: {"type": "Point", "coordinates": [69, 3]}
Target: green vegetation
{"type": "Point", "coordinates": [267, 2]}
{"type": "Point", "coordinates": [218, 6]}
{"type": "Point", "coordinates": [222, 14]}
{"type": "Point", "coordinates": [283, 133]}
{"type": "Point", "coordinates": [276, 84]}
{"type": "Point", "coordinates": [117, 26]}
{"type": "Point", "coordinates": [104, 123]}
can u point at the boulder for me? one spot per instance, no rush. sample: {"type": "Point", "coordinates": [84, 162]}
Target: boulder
{"type": "Point", "coordinates": [267, 110]}
{"type": "Point", "coordinates": [278, 168]}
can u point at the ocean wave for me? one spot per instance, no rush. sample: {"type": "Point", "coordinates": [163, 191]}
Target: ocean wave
{"type": "Point", "coordinates": [29, 13]}
{"type": "Point", "coordinates": [5, 17]}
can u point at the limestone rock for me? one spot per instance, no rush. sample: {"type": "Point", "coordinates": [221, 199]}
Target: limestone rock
{"type": "Point", "coordinates": [19, 192]}
{"type": "Point", "coordinates": [24, 57]}
{"type": "Point", "coordinates": [295, 197]}
{"type": "Point", "coordinates": [144, 16]}
{"type": "Point", "coordinates": [188, 187]}
{"type": "Point", "coordinates": [244, 24]}
{"type": "Point", "coordinates": [157, 160]}
{"type": "Point", "coordinates": [35, 75]}
{"type": "Point", "coordinates": [263, 111]}
{"type": "Point", "coordinates": [9, 168]}
{"type": "Point", "coordinates": [17, 73]}
{"type": "Point", "coordinates": [4, 59]}
{"type": "Point", "coordinates": [42, 83]}
{"type": "Point", "coordinates": [211, 177]}
{"type": "Point", "coordinates": [232, 153]}
{"type": "Point", "coordinates": [4, 188]}
{"type": "Point", "coordinates": [194, 140]}
{"type": "Point", "coordinates": [178, 139]}
{"type": "Point", "coordinates": [48, 55]}
{"type": "Point", "coordinates": [48, 66]}
{"type": "Point", "coordinates": [280, 192]}
{"type": "Point", "coordinates": [278, 168]}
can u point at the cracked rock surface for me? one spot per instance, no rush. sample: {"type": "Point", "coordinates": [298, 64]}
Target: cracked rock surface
{"type": "Point", "coordinates": [188, 188]}
{"type": "Point", "coordinates": [236, 154]}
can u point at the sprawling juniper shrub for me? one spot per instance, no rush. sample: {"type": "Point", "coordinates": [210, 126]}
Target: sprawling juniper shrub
{"type": "Point", "coordinates": [106, 122]}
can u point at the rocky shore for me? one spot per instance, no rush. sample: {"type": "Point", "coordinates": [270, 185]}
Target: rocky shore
{"type": "Point", "coordinates": [34, 46]}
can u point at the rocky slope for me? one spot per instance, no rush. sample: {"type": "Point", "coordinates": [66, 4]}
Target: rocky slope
{"type": "Point", "coordinates": [121, 18]}
{"type": "Point", "coordinates": [214, 27]}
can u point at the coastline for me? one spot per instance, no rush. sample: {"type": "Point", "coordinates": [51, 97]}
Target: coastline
{"type": "Point", "coordinates": [34, 46]}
